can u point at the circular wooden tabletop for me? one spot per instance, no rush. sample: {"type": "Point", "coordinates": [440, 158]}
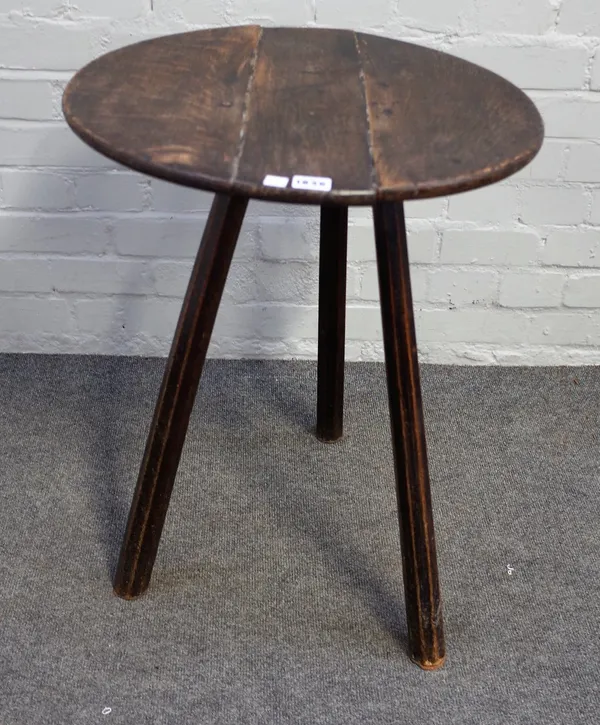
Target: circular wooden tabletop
{"type": "Point", "coordinates": [303, 115]}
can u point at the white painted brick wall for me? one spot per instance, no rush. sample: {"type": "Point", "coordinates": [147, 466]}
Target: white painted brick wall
{"type": "Point", "coordinates": [491, 204]}
{"type": "Point", "coordinates": [595, 79]}
{"type": "Point", "coordinates": [584, 163]}
{"type": "Point", "coordinates": [460, 287]}
{"type": "Point", "coordinates": [570, 248]}
{"type": "Point", "coordinates": [556, 205]}
{"type": "Point", "coordinates": [531, 289]}
{"type": "Point", "coordinates": [595, 212]}
{"type": "Point", "coordinates": [583, 291]}
{"type": "Point", "coordinates": [114, 191]}
{"type": "Point", "coordinates": [549, 163]}
{"type": "Point", "coordinates": [580, 17]}
{"type": "Point", "coordinates": [95, 258]}
{"type": "Point", "coordinates": [547, 67]}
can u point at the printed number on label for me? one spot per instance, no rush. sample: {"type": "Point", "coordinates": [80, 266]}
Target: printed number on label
{"type": "Point", "coordinates": [312, 183]}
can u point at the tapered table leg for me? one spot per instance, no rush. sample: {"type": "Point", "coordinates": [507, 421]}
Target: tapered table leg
{"type": "Point", "coordinates": [332, 322]}
{"type": "Point", "coordinates": [176, 398]}
{"type": "Point", "coordinates": [421, 585]}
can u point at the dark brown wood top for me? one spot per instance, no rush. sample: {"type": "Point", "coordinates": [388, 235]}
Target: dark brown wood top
{"type": "Point", "coordinates": [384, 120]}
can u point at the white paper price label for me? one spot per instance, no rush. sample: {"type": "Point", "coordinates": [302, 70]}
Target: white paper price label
{"type": "Point", "coordinates": [279, 182]}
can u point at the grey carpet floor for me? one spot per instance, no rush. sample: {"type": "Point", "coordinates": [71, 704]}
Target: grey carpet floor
{"type": "Point", "coordinates": [277, 594]}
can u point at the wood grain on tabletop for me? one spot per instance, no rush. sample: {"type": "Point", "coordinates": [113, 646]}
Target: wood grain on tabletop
{"type": "Point", "coordinates": [385, 120]}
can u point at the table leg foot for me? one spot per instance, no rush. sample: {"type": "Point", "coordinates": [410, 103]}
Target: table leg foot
{"type": "Point", "coordinates": [176, 398]}
{"type": "Point", "coordinates": [421, 585]}
{"type": "Point", "coordinates": [431, 666]}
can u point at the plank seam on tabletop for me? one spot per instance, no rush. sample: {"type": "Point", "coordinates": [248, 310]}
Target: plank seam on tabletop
{"type": "Point", "coordinates": [363, 85]}
{"type": "Point", "coordinates": [244, 128]}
